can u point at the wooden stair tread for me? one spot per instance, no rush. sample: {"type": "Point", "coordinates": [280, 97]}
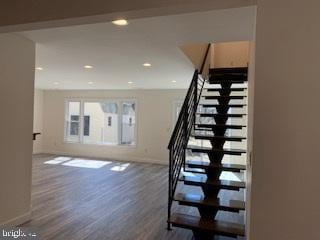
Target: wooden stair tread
{"type": "Point", "coordinates": [222, 166]}
{"type": "Point", "coordinates": [196, 200]}
{"type": "Point", "coordinates": [197, 223]}
{"type": "Point", "coordinates": [221, 114]}
{"type": "Point", "coordinates": [203, 180]}
{"type": "Point", "coordinates": [230, 151]}
{"type": "Point", "coordinates": [223, 97]}
{"type": "Point", "coordinates": [204, 105]}
{"type": "Point", "coordinates": [212, 137]}
{"type": "Point", "coordinates": [235, 89]}
{"type": "Point", "coordinates": [227, 126]}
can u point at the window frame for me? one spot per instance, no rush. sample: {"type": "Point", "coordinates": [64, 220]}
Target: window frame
{"type": "Point", "coordinates": [119, 102]}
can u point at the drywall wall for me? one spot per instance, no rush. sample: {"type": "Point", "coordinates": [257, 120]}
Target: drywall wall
{"type": "Point", "coordinates": [250, 124]}
{"type": "Point", "coordinates": [285, 178]}
{"type": "Point", "coordinates": [15, 12]}
{"type": "Point", "coordinates": [154, 124]}
{"type": "Point", "coordinates": [195, 52]}
{"type": "Point", "coordinates": [38, 120]}
{"type": "Point", "coordinates": [231, 54]}
{"type": "Point", "coordinates": [17, 60]}
{"type": "Point", "coordinates": [221, 55]}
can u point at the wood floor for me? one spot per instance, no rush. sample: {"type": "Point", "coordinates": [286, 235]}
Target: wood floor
{"type": "Point", "coordinates": [113, 202]}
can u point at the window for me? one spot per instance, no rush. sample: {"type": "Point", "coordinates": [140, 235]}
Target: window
{"type": "Point", "coordinates": [102, 122]}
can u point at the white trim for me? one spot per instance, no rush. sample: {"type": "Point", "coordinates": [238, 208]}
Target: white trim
{"type": "Point", "coordinates": [120, 159]}
{"type": "Point", "coordinates": [18, 220]}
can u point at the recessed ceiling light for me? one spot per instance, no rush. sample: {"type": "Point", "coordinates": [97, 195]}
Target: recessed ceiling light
{"type": "Point", "coordinates": [147, 64]}
{"type": "Point", "coordinates": [87, 66]}
{"type": "Point", "coordinates": [130, 82]}
{"type": "Point", "coordinates": [174, 81]}
{"type": "Point", "coordinates": [120, 22]}
{"type": "Point", "coordinates": [90, 83]}
{"type": "Point", "coordinates": [56, 83]}
{"type": "Point", "coordinates": [39, 68]}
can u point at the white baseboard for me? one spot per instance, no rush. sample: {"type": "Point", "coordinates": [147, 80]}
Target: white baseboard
{"type": "Point", "coordinates": [18, 220]}
{"type": "Point", "coordinates": [120, 159]}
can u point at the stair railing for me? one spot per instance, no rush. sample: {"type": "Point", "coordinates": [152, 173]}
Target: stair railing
{"type": "Point", "coordinates": [183, 128]}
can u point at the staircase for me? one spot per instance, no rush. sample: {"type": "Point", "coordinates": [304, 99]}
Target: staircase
{"type": "Point", "coordinates": [205, 115]}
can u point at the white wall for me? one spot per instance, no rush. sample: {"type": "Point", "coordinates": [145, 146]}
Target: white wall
{"type": "Point", "coordinates": [17, 60]}
{"type": "Point", "coordinates": [231, 54]}
{"type": "Point", "coordinates": [250, 123]}
{"type": "Point", "coordinates": [286, 153]}
{"type": "Point", "coordinates": [195, 52]}
{"type": "Point", "coordinates": [154, 124]}
{"type": "Point", "coordinates": [38, 120]}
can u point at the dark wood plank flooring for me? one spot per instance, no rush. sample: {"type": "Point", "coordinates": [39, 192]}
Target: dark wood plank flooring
{"type": "Point", "coordinates": [75, 203]}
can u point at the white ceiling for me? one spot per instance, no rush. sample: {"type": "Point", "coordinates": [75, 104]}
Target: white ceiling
{"type": "Point", "coordinates": [117, 53]}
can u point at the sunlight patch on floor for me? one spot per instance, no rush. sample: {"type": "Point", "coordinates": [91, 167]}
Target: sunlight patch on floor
{"type": "Point", "coordinates": [58, 160]}
{"type": "Point", "coordinates": [120, 167]}
{"type": "Point", "coordinates": [87, 163]}
{"type": "Point", "coordinates": [84, 163]}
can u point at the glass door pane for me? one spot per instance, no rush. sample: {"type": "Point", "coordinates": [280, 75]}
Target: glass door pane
{"type": "Point", "coordinates": [100, 123]}
{"type": "Point", "coordinates": [73, 122]}
{"type": "Point", "coordinates": [128, 122]}
{"type": "Point", "coordinates": [111, 123]}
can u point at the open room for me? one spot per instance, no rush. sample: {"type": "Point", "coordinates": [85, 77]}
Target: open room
{"type": "Point", "coordinates": [159, 120]}
{"type": "Point", "coordinates": [107, 100]}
